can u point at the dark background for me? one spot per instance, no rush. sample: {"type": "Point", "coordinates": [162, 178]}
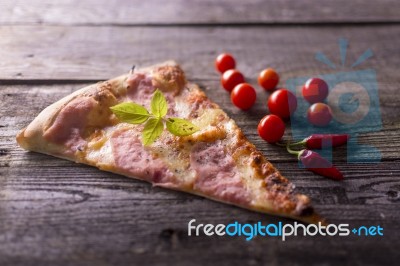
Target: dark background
{"type": "Point", "coordinates": [55, 212]}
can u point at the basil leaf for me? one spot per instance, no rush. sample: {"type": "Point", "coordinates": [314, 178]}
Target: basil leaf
{"type": "Point", "coordinates": [152, 130]}
{"type": "Point", "coordinates": [159, 105]}
{"type": "Point", "coordinates": [130, 113]}
{"type": "Point", "coordinates": [180, 127]}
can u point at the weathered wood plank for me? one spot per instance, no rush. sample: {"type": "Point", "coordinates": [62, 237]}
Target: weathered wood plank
{"type": "Point", "coordinates": [120, 232]}
{"type": "Point", "coordinates": [376, 187]}
{"type": "Point", "coordinates": [73, 53]}
{"type": "Point", "coordinates": [369, 184]}
{"type": "Point", "coordinates": [23, 102]}
{"type": "Point", "coordinates": [73, 214]}
{"type": "Point", "coordinates": [120, 12]}
{"type": "Point", "coordinates": [57, 212]}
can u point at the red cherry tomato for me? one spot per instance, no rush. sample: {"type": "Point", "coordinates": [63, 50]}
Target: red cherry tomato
{"type": "Point", "coordinates": [282, 103]}
{"type": "Point", "coordinates": [271, 128]}
{"type": "Point", "coordinates": [319, 114]}
{"type": "Point", "coordinates": [268, 79]}
{"type": "Point", "coordinates": [231, 78]}
{"type": "Point", "coordinates": [243, 96]}
{"type": "Point", "coordinates": [315, 90]}
{"type": "Point", "coordinates": [224, 62]}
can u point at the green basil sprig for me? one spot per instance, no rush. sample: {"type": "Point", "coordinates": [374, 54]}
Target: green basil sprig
{"type": "Point", "coordinates": [134, 113]}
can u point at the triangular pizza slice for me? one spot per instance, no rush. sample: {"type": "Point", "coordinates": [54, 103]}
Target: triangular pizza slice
{"type": "Point", "coordinates": [216, 162]}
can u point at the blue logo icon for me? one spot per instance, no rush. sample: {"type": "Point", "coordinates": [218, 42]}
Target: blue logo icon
{"type": "Point", "coordinates": [354, 101]}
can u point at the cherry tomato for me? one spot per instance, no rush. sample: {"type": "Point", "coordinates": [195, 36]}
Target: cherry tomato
{"type": "Point", "coordinates": [271, 128]}
{"type": "Point", "coordinates": [315, 90]}
{"type": "Point", "coordinates": [268, 79]}
{"type": "Point", "coordinates": [224, 62]}
{"type": "Point", "coordinates": [319, 114]}
{"type": "Point", "coordinates": [243, 96]}
{"type": "Point", "coordinates": [282, 103]}
{"type": "Point", "coordinates": [231, 78]}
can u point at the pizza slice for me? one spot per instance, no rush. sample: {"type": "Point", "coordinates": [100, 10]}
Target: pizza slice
{"type": "Point", "coordinates": [216, 162]}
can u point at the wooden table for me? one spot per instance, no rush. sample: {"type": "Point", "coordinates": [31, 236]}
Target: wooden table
{"type": "Point", "coordinates": [55, 212]}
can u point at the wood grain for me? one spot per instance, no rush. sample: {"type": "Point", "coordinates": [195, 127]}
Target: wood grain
{"type": "Point", "coordinates": [126, 220]}
{"type": "Point", "coordinates": [178, 12]}
{"type": "Point", "coordinates": [82, 216]}
{"type": "Point", "coordinates": [98, 53]}
{"type": "Point", "coordinates": [359, 188]}
{"type": "Point", "coordinates": [55, 212]}
{"type": "Point", "coordinates": [31, 99]}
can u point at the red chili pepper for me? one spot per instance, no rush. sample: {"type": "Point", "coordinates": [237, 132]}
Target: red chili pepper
{"type": "Point", "coordinates": [319, 165]}
{"type": "Point", "coordinates": [315, 163]}
{"type": "Point", "coordinates": [319, 141]}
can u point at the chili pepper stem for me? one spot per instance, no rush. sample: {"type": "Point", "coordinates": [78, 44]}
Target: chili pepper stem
{"type": "Point", "coordinates": [289, 150]}
{"type": "Point", "coordinates": [298, 143]}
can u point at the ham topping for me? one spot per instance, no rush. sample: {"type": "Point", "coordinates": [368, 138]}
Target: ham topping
{"type": "Point", "coordinates": [68, 127]}
{"type": "Point", "coordinates": [140, 90]}
{"type": "Point", "coordinates": [130, 156]}
{"type": "Point", "coordinates": [217, 174]}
